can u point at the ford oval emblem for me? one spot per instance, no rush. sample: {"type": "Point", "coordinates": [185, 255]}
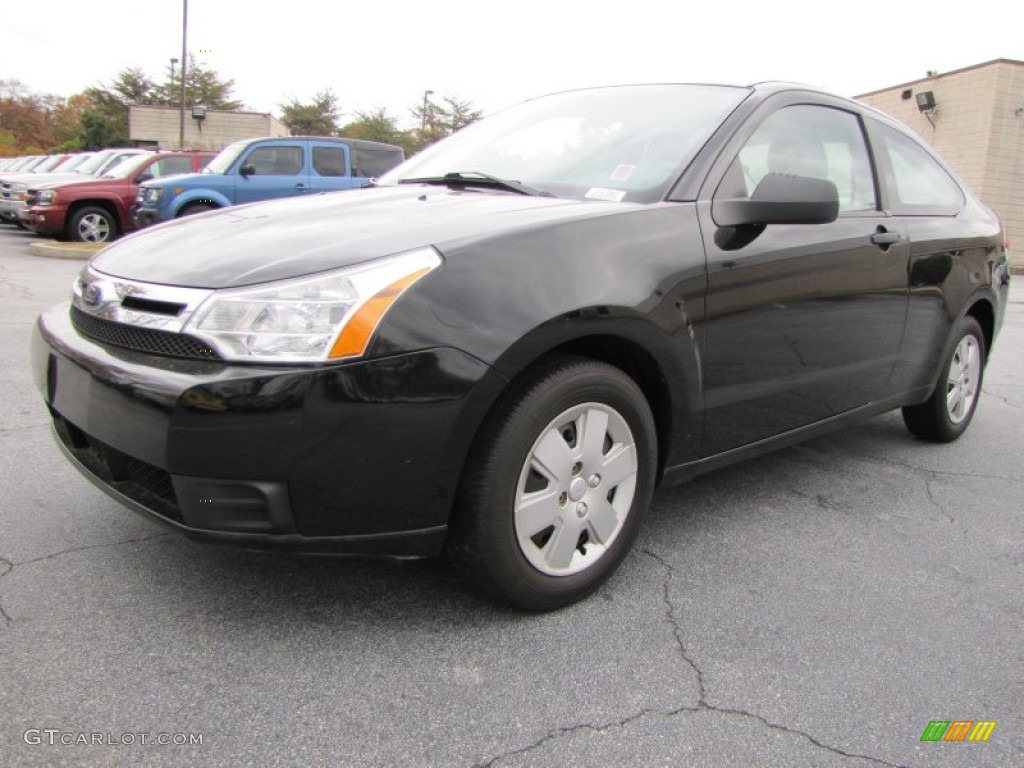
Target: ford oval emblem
{"type": "Point", "coordinates": [91, 295]}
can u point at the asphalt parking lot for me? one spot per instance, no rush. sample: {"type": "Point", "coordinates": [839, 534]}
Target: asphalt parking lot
{"type": "Point", "coordinates": [815, 607]}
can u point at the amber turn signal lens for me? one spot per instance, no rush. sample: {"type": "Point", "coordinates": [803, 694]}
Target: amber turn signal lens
{"type": "Point", "coordinates": [355, 336]}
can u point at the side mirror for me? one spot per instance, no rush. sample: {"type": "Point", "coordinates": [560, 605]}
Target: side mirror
{"type": "Point", "coordinates": [247, 170]}
{"type": "Point", "coordinates": [781, 198]}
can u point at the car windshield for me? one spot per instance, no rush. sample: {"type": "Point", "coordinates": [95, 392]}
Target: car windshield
{"type": "Point", "coordinates": [621, 143]}
{"type": "Point", "coordinates": [93, 164]}
{"type": "Point", "coordinates": [49, 164]}
{"type": "Point", "coordinates": [223, 162]}
{"type": "Point", "coordinates": [70, 163]}
{"type": "Point", "coordinates": [127, 167]}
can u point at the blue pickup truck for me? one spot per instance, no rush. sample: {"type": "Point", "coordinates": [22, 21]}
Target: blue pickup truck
{"type": "Point", "coordinates": [263, 169]}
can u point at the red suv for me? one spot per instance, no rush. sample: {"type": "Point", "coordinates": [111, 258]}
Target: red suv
{"type": "Point", "coordinates": [98, 210]}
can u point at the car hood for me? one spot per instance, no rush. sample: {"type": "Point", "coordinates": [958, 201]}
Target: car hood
{"type": "Point", "coordinates": [77, 180]}
{"type": "Point", "coordinates": [256, 243]}
{"type": "Point", "coordinates": [37, 180]}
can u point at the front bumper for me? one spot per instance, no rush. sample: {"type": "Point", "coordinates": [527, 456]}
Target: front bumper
{"type": "Point", "coordinates": [359, 458]}
{"type": "Point", "coordinates": [44, 219]}
{"type": "Point", "coordinates": [144, 217]}
{"type": "Point", "coordinates": [9, 209]}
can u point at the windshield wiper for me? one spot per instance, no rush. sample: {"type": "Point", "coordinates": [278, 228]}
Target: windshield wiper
{"type": "Point", "coordinates": [478, 179]}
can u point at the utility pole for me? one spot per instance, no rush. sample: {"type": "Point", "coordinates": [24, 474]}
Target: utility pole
{"type": "Point", "coordinates": [423, 121]}
{"type": "Point", "coordinates": [184, 66]}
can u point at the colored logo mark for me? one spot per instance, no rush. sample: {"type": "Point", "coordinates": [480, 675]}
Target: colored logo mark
{"type": "Point", "coordinates": [958, 730]}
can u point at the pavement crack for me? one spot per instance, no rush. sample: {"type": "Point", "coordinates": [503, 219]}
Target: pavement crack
{"type": "Point", "coordinates": [6, 566]}
{"type": "Point", "coordinates": [1006, 400]}
{"type": "Point", "coordinates": [934, 501]}
{"type": "Point", "coordinates": [702, 702]}
{"type": "Point", "coordinates": [677, 630]}
{"type": "Point", "coordinates": [823, 501]}
{"type": "Point", "coordinates": [559, 732]}
{"type": "Point", "coordinates": [91, 546]}
{"type": "Point", "coordinates": [797, 732]}
{"type": "Point", "coordinates": [932, 472]}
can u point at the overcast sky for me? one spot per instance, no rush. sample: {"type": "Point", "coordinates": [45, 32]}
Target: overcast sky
{"type": "Point", "coordinates": [499, 52]}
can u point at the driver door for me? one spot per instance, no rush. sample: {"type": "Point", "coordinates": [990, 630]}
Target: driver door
{"type": "Point", "coordinates": [805, 320]}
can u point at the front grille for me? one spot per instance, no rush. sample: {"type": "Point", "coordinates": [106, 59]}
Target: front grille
{"type": "Point", "coordinates": [144, 483]}
{"type": "Point", "coordinates": [141, 339]}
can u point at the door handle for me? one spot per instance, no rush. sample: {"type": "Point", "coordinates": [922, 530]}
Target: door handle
{"type": "Point", "coordinates": [885, 238]}
{"type": "Point", "coordinates": [300, 186]}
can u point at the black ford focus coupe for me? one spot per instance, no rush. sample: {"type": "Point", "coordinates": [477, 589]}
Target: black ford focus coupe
{"type": "Point", "coordinates": [505, 345]}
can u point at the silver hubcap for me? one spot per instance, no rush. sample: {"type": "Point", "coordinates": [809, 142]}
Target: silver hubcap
{"type": "Point", "coordinates": [962, 381]}
{"type": "Point", "coordinates": [575, 489]}
{"type": "Point", "coordinates": [94, 228]}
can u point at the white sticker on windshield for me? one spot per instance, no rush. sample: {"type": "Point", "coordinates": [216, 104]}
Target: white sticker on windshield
{"type": "Point", "coordinates": [600, 193]}
{"type": "Point", "coordinates": [622, 172]}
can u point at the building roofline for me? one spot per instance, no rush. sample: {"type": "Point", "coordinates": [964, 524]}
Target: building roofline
{"type": "Point", "coordinates": [941, 75]}
{"type": "Point", "coordinates": [208, 110]}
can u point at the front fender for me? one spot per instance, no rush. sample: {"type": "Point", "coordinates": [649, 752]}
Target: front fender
{"type": "Point", "coordinates": [207, 196]}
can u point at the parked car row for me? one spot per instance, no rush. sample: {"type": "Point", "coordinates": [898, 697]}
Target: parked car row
{"type": "Point", "coordinates": [16, 182]}
{"type": "Point", "coordinates": [113, 192]}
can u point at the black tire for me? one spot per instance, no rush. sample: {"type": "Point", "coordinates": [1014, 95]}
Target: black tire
{"type": "Point", "coordinates": [487, 531]}
{"type": "Point", "coordinates": [92, 224]}
{"type": "Point", "coordinates": [193, 208]}
{"type": "Point", "coordinates": [935, 419]}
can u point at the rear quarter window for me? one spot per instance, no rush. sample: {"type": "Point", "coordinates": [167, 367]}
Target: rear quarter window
{"type": "Point", "coordinates": [370, 163]}
{"type": "Point", "coordinates": [916, 184]}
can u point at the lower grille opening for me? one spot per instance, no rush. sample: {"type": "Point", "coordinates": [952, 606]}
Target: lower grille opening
{"type": "Point", "coordinates": [144, 483]}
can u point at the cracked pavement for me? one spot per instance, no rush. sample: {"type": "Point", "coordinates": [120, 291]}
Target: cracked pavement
{"type": "Point", "coordinates": [814, 607]}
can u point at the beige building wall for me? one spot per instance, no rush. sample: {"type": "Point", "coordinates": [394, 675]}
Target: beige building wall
{"type": "Point", "coordinates": [977, 128]}
{"type": "Point", "coordinates": [160, 126]}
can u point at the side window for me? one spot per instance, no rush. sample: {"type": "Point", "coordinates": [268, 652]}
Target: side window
{"type": "Point", "coordinates": [329, 161]}
{"type": "Point", "coordinates": [275, 161]}
{"type": "Point", "coordinates": [917, 184]}
{"type": "Point", "coordinates": [170, 165]}
{"type": "Point", "coordinates": [371, 163]}
{"type": "Point", "coordinates": [804, 140]}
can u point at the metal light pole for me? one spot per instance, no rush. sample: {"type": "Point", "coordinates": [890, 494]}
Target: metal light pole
{"type": "Point", "coordinates": [423, 121]}
{"type": "Point", "coordinates": [184, 66]}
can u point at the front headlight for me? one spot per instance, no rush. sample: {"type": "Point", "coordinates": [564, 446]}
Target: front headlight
{"type": "Point", "coordinates": [325, 317]}
{"type": "Point", "coordinates": [151, 194]}
{"type": "Point", "coordinates": [46, 197]}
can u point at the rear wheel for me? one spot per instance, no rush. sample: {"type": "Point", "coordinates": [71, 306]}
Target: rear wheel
{"type": "Point", "coordinates": [92, 224]}
{"type": "Point", "coordinates": [559, 481]}
{"type": "Point", "coordinates": [948, 412]}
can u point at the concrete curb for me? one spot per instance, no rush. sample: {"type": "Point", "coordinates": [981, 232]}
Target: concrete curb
{"type": "Point", "coordinates": [54, 250]}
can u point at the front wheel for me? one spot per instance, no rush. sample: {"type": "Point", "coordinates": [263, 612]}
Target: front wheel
{"type": "Point", "coordinates": [561, 475]}
{"type": "Point", "coordinates": [193, 208]}
{"type": "Point", "coordinates": [945, 415]}
{"type": "Point", "coordinates": [92, 224]}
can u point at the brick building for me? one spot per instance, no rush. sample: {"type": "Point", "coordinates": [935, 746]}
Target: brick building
{"type": "Point", "coordinates": [158, 127]}
{"type": "Point", "coordinates": [975, 120]}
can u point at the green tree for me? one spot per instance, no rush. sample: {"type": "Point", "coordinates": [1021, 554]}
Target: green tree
{"type": "Point", "coordinates": [318, 117]}
{"type": "Point", "coordinates": [104, 116]}
{"type": "Point", "coordinates": [203, 87]}
{"type": "Point", "coordinates": [104, 119]}
{"type": "Point", "coordinates": [437, 121]}
{"type": "Point", "coordinates": [376, 125]}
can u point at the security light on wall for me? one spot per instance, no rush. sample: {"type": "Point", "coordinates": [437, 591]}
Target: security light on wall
{"type": "Point", "coordinates": [925, 101]}
{"type": "Point", "coordinates": [199, 114]}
